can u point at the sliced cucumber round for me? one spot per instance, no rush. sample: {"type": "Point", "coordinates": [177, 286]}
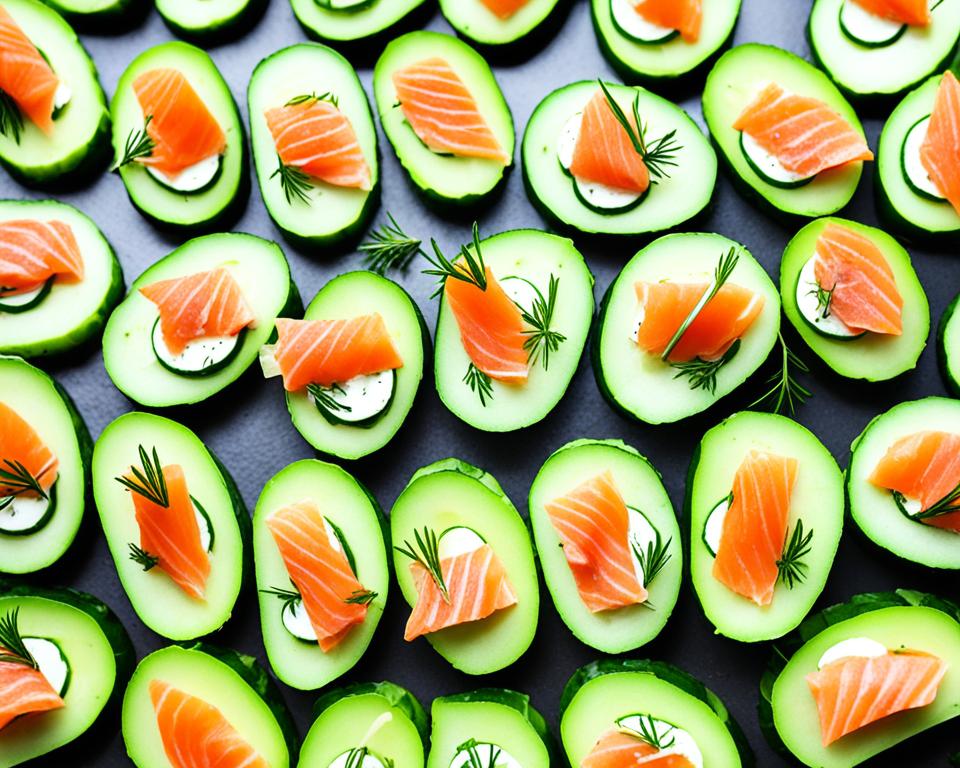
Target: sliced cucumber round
{"type": "Point", "coordinates": [671, 201]}
{"type": "Point", "coordinates": [911, 165]}
{"type": "Point", "coordinates": [356, 23]}
{"type": "Point", "coordinates": [17, 303]}
{"type": "Point", "coordinates": [817, 502]}
{"type": "Point", "coordinates": [231, 682]}
{"type": "Point", "coordinates": [210, 20]}
{"type": "Point", "coordinates": [768, 167]}
{"type": "Point", "coordinates": [201, 357]}
{"type": "Point", "coordinates": [330, 215]}
{"type": "Point", "coordinates": [871, 57]}
{"type": "Point", "coordinates": [352, 295]}
{"type": "Point", "coordinates": [44, 404]}
{"type": "Point", "coordinates": [159, 602]}
{"type": "Point", "coordinates": [446, 180]}
{"type": "Point", "coordinates": [948, 346]}
{"type": "Point", "coordinates": [357, 521]}
{"type": "Point", "coordinates": [262, 272]}
{"type": "Point", "coordinates": [100, 15]}
{"type": "Point", "coordinates": [624, 629]}
{"type": "Point", "coordinates": [78, 145]}
{"type": "Point", "coordinates": [83, 643]}
{"type": "Point", "coordinates": [901, 619]}
{"type": "Point", "coordinates": [653, 56]}
{"type": "Point", "coordinates": [63, 315]}
{"type": "Point", "coordinates": [875, 510]}
{"type": "Point", "coordinates": [731, 87]}
{"type": "Point", "coordinates": [452, 493]}
{"type": "Point", "coordinates": [212, 204]}
{"type": "Point", "coordinates": [642, 386]}
{"type": "Point", "coordinates": [533, 256]}
{"type": "Point", "coordinates": [475, 21]}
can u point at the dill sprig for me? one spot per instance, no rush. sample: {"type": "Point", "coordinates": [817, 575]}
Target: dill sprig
{"type": "Point", "coordinates": [658, 154]}
{"type": "Point", "coordinates": [11, 120]}
{"type": "Point", "coordinates": [945, 506]}
{"type": "Point", "coordinates": [703, 373]}
{"type": "Point", "coordinates": [138, 144]}
{"type": "Point", "coordinates": [785, 391]}
{"type": "Point", "coordinates": [303, 98]}
{"type": "Point", "coordinates": [148, 481]}
{"type": "Point", "coordinates": [356, 757]}
{"type": "Point", "coordinates": [653, 557]}
{"type": "Point", "coordinates": [541, 340]}
{"type": "Point", "coordinates": [291, 598]}
{"type": "Point", "coordinates": [16, 477]}
{"type": "Point", "coordinates": [473, 754]}
{"type": "Point", "coordinates": [426, 551]}
{"type": "Point", "coordinates": [142, 557]}
{"type": "Point", "coordinates": [647, 731]}
{"type": "Point", "coordinates": [12, 648]}
{"type": "Point", "coordinates": [792, 569]}
{"type": "Point", "coordinates": [362, 597]}
{"type": "Point", "coordinates": [323, 396]}
{"type": "Point", "coordinates": [824, 299]}
{"type": "Point", "coordinates": [480, 383]}
{"type": "Point", "coordinates": [295, 183]}
{"type": "Point", "coordinates": [389, 248]}
{"type": "Point", "coordinates": [468, 266]}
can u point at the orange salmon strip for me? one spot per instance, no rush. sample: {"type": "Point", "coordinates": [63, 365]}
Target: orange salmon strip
{"type": "Point", "coordinates": [916, 13]}
{"type": "Point", "coordinates": [24, 691]}
{"type": "Point", "coordinates": [616, 749]}
{"type": "Point", "coordinates": [32, 251]}
{"type": "Point", "coordinates": [940, 151]}
{"type": "Point", "coordinates": [686, 16]}
{"type": "Point", "coordinates": [20, 443]}
{"type": "Point", "coordinates": [504, 9]}
{"type": "Point", "coordinates": [25, 76]}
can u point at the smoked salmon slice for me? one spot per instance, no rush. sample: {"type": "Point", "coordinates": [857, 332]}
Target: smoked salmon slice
{"type": "Point", "coordinates": [913, 12]}
{"type": "Point", "coordinates": [755, 526]}
{"type": "Point", "coordinates": [604, 153]}
{"type": "Point", "coordinates": [23, 691]}
{"type": "Point", "coordinates": [723, 319]}
{"type": "Point", "coordinates": [854, 691]}
{"type": "Point", "coordinates": [924, 467]}
{"type": "Point", "coordinates": [940, 150]}
{"type": "Point", "coordinates": [685, 16]}
{"type": "Point", "coordinates": [33, 251]}
{"type": "Point", "coordinates": [25, 76]}
{"type": "Point", "coordinates": [504, 9]}
{"type": "Point", "coordinates": [182, 129]}
{"type": "Point", "coordinates": [443, 113]}
{"type": "Point", "coordinates": [491, 327]}
{"type": "Point", "coordinates": [320, 572]}
{"type": "Point", "coordinates": [326, 352]}
{"type": "Point", "coordinates": [803, 133]}
{"type": "Point", "coordinates": [203, 304]}
{"type": "Point", "coordinates": [593, 524]}
{"type": "Point", "coordinates": [477, 584]}
{"type": "Point", "coordinates": [21, 445]}
{"type": "Point", "coordinates": [616, 749]}
{"type": "Point", "coordinates": [172, 534]}
{"type": "Point", "coordinates": [864, 291]}
{"type": "Point", "coordinates": [195, 734]}
{"type": "Point", "coordinates": [316, 137]}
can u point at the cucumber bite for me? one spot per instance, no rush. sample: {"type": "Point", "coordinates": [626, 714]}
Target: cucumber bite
{"type": "Point", "coordinates": [68, 670]}
{"type": "Point", "coordinates": [765, 508]}
{"type": "Point", "coordinates": [903, 479]}
{"type": "Point", "coordinates": [497, 378]}
{"type": "Point", "coordinates": [210, 21]}
{"type": "Point", "coordinates": [356, 24]}
{"type": "Point", "coordinates": [175, 524]}
{"type": "Point", "coordinates": [44, 468]}
{"type": "Point", "coordinates": [614, 597]}
{"type": "Point", "coordinates": [457, 163]}
{"type": "Point", "coordinates": [871, 55]}
{"type": "Point", "coordinates": [314, 145]}
{"type": "Point", "coordinates": [642, 708]}
{"type": "Point", "coordinates": [501, 24]}
{"type": "Point", "coordinates": [54, 122]}
{"type": "Point", "coordinates": [103, 16]}
{"type": "Point", "coordinates": [367, 725]}
{"type": "Point", "coordinates": [239, 283]}
{"type": "Point", "coordinates": [217, 703]}
{"type": "Point", "coordinates": [489, 727]}
{"type": "Point", "coordinates": [852, 295]}
{"type": "Point", "coordinates": [687, 321]}
{"type": "Point", "coordinates": [768, 150]}
{"type": "Point", "coordinates": [465, 564]}
{"type": "Point", "coordinates": [177, 138]}
{"type": "Point", "coordinates": [60, 278]}
{"type": "Point", "coordinates": [584, 172]}
{"type": "Point", "coordinates": [658, 43]}
{"type": "Point", "coordinates": [352, 367]}
{"type": "Point", "coordinates": [898, 655]}
{"type": "Point", "coordinates": [948, 346]}
{"type": "Point", "coordinates": [322, 573]}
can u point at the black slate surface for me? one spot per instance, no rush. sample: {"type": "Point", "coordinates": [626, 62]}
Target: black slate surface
{"type": "Point", "coordinates": [249, 429]}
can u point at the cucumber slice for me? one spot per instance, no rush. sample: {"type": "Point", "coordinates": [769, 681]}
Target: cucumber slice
{"type": "Point", "coordinates": [383, 717]}
{"type": "Point", "coordinates": [817, 501]}
{"type": "Point", "coordinates": [162, 605]}
{"type": "Point", "coordinates": [602, 694]}
{"type": "Point", "coordinates": [673, 200]}
{"type": "Point", "coordinates": [263, 274]}
{"type": "Point", "coordinates": [351, 295]}
{"type": "Point", "coordinates": [478, 24]}
{"type": "Point", "coordinates": [78, 145]}
{"type": "Point", "coordinates": [871, 356]}
{"type": "Point", "coordinates": [948, 346]}
{"type": "Point", "coordinates": [97, 652]}
{"type": "Point", "coordinates": [624, 629]}
{"type": "Point", "coordinates": [445, 180]}
{"type": "Point", "coordinates": [870, 58]}
{"type": "Point", "coordinates": [333, 215]}
{"type": "Point", "coordinates": [355, 516]}
{"type": "Point", "coordinates": [767, 167]}
{"type": "Point", "coordinates": [874, 509]}
{"type": "Point", "coordinates": [535, 256]}
{"type": "Point", "coordinates": [233, 683]}
{"type": "Point", "coordinates": [640, 385]}
{"type": "Point", "coordinates": [634, 27]}
{"type": "Point", "coordinates": [491, 644]}
{"type": "Point", "coordinates": [201, 357]}
{"type": "Point", "coordinates": [901, 619]}
{"type": "Point", "coordinates": [25, 515]}
{"type": "Point", "coordinates": [15, 303]}
{"type": "Point", "coordinates": [812, 308]}
{"type": "Point", "coordinates": [911, 165]}
{"type": "Point", "coordinates": [359, 401]}
{"type": "Point", "coordinates": [362, 25]}
{"type": "Point", "coordinates": [213, 204]}
{"type": "Point", "coordinates": [210, 20]}
{"type": "Point", "coordinates": [68, 315]}
{"type": "Point", "coordinates": [45, 405]}
{"type": "Point", "coordinates": [100, 15]}
{"type": "Point", "coordinates": [733, 84]}
{"type": "Point", "coordinates": [499, 726]}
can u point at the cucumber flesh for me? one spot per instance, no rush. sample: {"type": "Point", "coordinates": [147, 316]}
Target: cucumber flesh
{"type": "Point", "coordinates": [633, 26]}
{"type": "Point", "coordinates": [914, 173]}
{"type": "Point", "coordinates": [948, 346]}
{"type": "Point", "coordinates": [194, 178]}
{"type": "Point", "coordinates": [22, 515]}
{"type": "Point", "coordinates": [473, 20]}
{"type": "Point", "coordinates": [768, 167]}
{"type": "Point", "coordinates": [359, 401]}
{"type": "Point", "coordinates": [209, 19]}
{"type": "Point", "coordinates": [53, 665]}
{"type": "Point", "coordinates": [713, 526]}
{"type": "Point", "coordinates": [15, 303]}
{"type": "Point", "coordinates": [367, 22]}
{"type": "Point", "coordinates": [201, 357]}
{"type": "Point", "coordinates": [681, 740]}
{"type": "Point", "coordinates": [812, 309]}
{"type": "Point", "coordinates": [868, 29]}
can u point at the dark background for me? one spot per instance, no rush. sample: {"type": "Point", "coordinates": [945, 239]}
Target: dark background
{"type": "Point", "coordinates": [249, 429]}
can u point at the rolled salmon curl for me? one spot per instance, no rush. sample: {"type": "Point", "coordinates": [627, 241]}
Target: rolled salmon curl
{"type": "Point", "coordinates": [25, 76]}
{"type": "Point", "coordinates": [940, 151]}
{"type": "Point", "coordinates": [504, 9]}
{"type": "Point", "coordinates": [686, 16]}
{"type": "Point", "coordinates": [916, 13]}
{"type": "Point", "coordinates": [616, 749]}
{"type": "Point", "coordinates": [32, 251]}
{"type": "Point", "coordinates": [24, 691]}
{"type": "Point", "coordinates": [20, 444]}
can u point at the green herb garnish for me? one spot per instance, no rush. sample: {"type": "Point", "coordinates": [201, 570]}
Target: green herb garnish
{"type": "Point", "coordinates": [653, 557]}
{"type": "Point", "coordinates": [148, 481]}
{"type": "Point", "coordinates": [647, 731]}
{"type": "Point", "coordinates": [472, 270]}
{"type": "Point", "coordinates": [138, 144]}
{"type": "Point", "coordinates": [16, 477]}
{"type": "Point", "coordinates": [12, 648]}
{"type": "Point", "coordinates": [480, 383]}
{"type": "Point", "coordinates": [703, 373]}
{"type": "Point", "coordinates": [785, 391]}
{"type": "Point", "coordinates": [11, 120]}
{"type": "Point", "coordinates": [426, 551]}
{"type": "Point", "coordinates": [390, 248]}
{"type": "Point", "coordinates": [658, 154]}
{"type": "Point", "coordinates": [303, 98]}
{"type": "Point", "coordinates": [792, 569]}
{"type": "Point", "coordinates": [323, 396]}
{"type": "Point", "coordinates": [295, 184]}
{"type": "Point", "coordinates": [541, 340]}
{"type": "Point", "coordinates": [291, 598]}
{"type": "Point", "coordinates": [142, 557]}
{"type": "Point", "coordinates": [362, 597]}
